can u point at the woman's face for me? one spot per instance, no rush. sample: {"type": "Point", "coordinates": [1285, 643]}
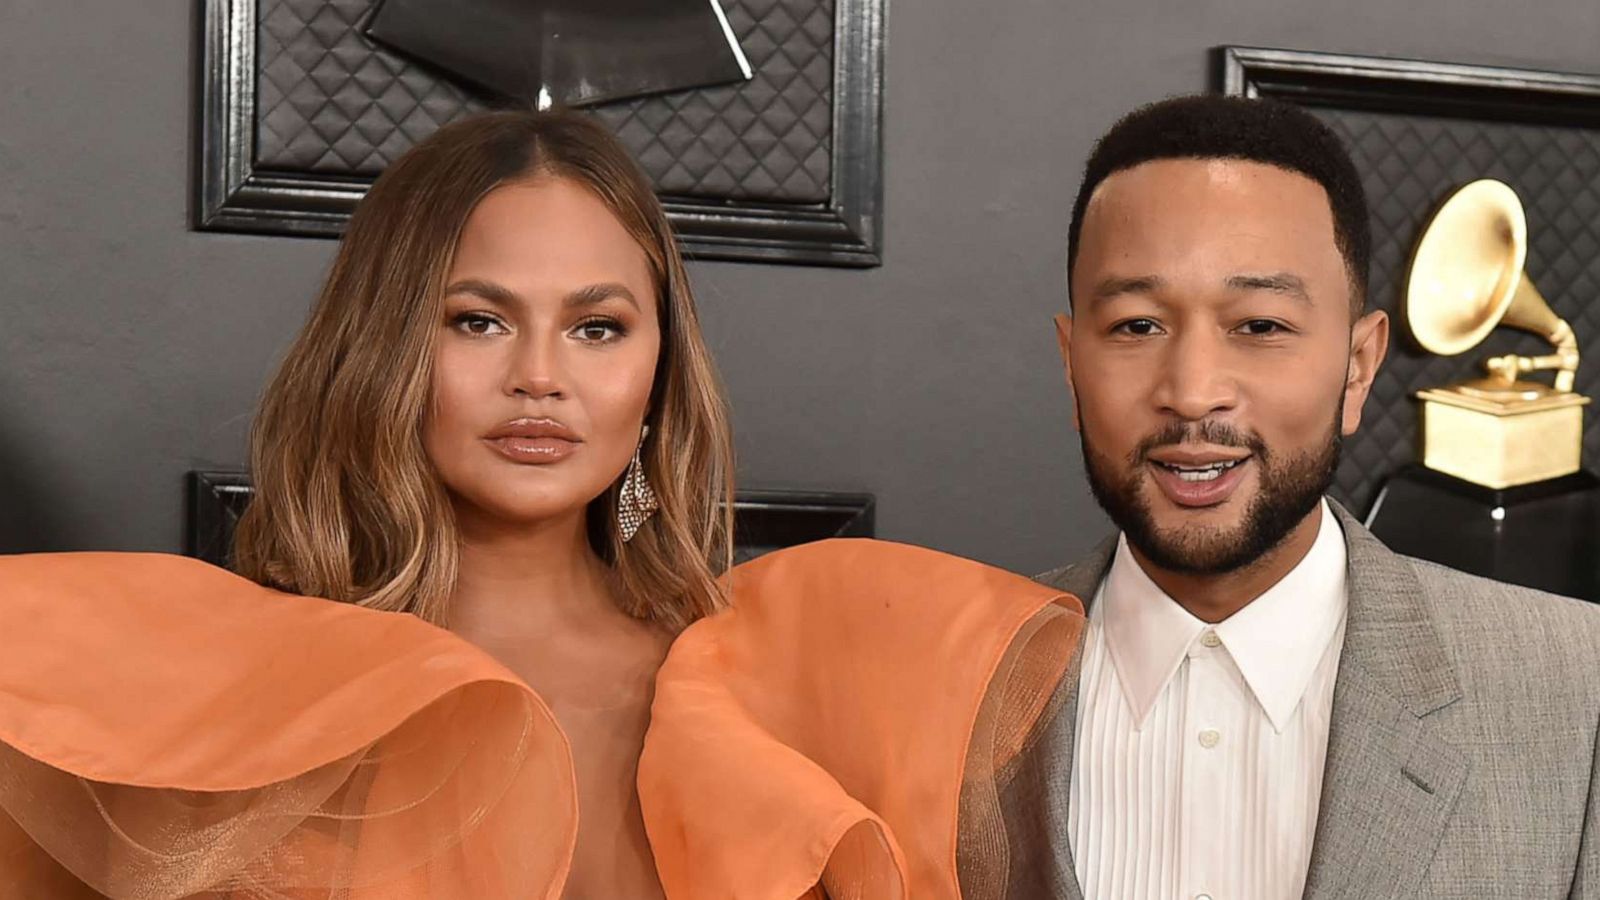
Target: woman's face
{"type": "Point", "coordinates": [545, 355]}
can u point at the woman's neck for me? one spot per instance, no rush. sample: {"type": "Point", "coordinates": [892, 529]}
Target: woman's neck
{"type": "Point", "coordinates": [527, 579]}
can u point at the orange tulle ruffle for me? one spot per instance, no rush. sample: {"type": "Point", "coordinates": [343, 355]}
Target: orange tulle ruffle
{"type": "Point", "coordinates": [168, 729]}
{"type": "Point", "coordinates": [846, 725]}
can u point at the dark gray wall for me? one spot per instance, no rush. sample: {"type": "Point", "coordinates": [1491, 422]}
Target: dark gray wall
{"type": "Point", "coordinates": [132, 350]}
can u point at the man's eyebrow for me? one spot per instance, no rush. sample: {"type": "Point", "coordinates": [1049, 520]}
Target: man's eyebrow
{"type": "Point", "coordinates": [1111, 287]}
{"type": "Point", "coordinates": [595, 293]}
{"type": "Point", "coordinates": [488, 290]}
{"type": "Point", "coordinates": [1278, 283]}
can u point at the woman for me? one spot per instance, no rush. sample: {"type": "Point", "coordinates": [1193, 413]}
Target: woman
{"type": "Point", "coordinates": [500, 419]}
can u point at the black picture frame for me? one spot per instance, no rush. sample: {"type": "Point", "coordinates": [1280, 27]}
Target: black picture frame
{"type": "Point", "coordinates": [232, 194]}
{"type": "Point", "coordinates": [763, 520]}
{"type": "Point", "coordinates": [770, 520]}
{"type": "Point", "coordinates": [1419, 87]}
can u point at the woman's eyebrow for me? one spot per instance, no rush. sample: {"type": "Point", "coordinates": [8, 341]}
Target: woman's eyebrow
{"type": "Point", "coordinates": [488, 290]}
{"type": "Point", "coordinates": [595, 293]}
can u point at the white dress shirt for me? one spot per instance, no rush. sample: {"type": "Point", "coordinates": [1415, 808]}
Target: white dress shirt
{"type": "Point", "coordinates": [1200, 747]}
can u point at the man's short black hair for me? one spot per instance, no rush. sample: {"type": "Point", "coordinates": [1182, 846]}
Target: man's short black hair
{"type": "Point", "coordinates": [1207, 126]}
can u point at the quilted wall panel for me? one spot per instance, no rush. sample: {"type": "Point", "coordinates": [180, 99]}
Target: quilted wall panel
{"type": "Point", "coordinates": [332, 103]}
{"type": "Point", "coordinates": [1409, 163]}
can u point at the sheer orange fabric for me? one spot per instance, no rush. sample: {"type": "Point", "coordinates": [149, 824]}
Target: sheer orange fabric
{"type": "Point", "coordinates": [844, 725]}
{"type": "Point", "coordinates": [168, 729]}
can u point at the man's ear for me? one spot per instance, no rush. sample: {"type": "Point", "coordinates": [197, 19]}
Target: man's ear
{"type": "Point", "coordinates": [1064, 342]}
{"type": "Point", "coordinates": [1369, 344]}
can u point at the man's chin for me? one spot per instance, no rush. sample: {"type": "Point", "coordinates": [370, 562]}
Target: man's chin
{"type": "Point", "coordinates": [1193, 548]}
{"type": "Point", "coordinates": [1175, 530]}
{"type": "Point", "coordinates": [1210, 540]}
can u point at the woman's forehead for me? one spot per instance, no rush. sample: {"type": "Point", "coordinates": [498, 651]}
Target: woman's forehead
{"type": "Point", "coordinates": [549, 235]}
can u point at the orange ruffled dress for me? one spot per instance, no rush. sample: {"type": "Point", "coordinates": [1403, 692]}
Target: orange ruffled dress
{"type": "Point", "coordinates": [168, 730]}
{"type": "Point", "coordinates": [847, 724]}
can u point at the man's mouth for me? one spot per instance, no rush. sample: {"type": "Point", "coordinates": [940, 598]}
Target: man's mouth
{"type": "Point", "coordinates": [1204, 472]}
{"type": "Point", "coordinates": [1199, 476]}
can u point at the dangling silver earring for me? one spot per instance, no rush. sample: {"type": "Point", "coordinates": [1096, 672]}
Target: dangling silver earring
{"type": "Point", "coordinates": [637, 501]}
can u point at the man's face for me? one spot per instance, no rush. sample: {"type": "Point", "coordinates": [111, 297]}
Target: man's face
{"type": "Point", "coordinates": [1212, 357]}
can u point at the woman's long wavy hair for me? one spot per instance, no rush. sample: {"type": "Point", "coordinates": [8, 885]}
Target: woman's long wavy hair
{"type": "Point", "coordinates": [347, 505]}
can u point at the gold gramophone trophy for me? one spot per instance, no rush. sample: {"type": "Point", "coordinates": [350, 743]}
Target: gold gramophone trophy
{"type": "Point", "coordinates": [1501, 491]}
{"type": "Point", "coordinates": [1498, 431]}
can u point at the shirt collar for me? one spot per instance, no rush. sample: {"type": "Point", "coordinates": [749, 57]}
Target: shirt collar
{"type": "Point", "coordinates": [1277, 640]}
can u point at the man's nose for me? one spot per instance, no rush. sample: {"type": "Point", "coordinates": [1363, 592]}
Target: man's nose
{"type": "Point", "coordinates": [1195, 381]}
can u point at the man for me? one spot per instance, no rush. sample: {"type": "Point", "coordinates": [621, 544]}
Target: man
{"type": "Point", "coordinates": [1271, 703]}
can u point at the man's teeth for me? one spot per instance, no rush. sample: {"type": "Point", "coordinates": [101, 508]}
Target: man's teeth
{"type": "Point", "coordinates": [1210, 472]}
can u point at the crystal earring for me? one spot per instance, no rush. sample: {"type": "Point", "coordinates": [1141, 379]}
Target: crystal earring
{"type": "Point", "coordinates": [637, 501]}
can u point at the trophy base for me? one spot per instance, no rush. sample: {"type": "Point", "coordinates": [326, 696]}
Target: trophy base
{"type": "Point", "coordinates": [1544, 535]}
{"type": "Point", "coordinates": [1505, 441]}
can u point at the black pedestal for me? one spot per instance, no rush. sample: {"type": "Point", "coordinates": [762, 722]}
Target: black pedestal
{"type": "Point", "coordinates": [1544, 535]}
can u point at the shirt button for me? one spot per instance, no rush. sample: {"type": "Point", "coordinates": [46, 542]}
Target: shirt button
{"type": "Point", "coordinates": [1209, 739]}
{"type": "Point", "coordinates": [1202, 897]}
{"type": "Point", "coordinates": [1209, 639]}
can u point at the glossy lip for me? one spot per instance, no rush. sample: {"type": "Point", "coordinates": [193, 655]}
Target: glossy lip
{"type": "Point", "coordinates": [1198, 494]}
{"type": "Point", "coordinates": [533, 441]}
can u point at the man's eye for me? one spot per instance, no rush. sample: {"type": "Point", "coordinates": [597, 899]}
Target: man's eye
{"type": "Point", "coordinates": [599, 331]}
{"type": "Point", "coordinates": [478, 324]}
{"type": "Point", "coordinates": [1137, 327]}
{"type": "Point", "coordinates": [1262, 327]}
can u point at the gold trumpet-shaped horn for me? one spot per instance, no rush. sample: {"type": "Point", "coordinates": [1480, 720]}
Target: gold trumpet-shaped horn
{"type": "Point", "coordinates": [1467, 278]}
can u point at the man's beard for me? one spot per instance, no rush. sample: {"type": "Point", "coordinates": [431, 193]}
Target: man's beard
{"type": "Point", "coordinates": [1289, 489]}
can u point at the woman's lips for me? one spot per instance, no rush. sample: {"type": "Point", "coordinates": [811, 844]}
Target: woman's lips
{"type": "Point", "coordinates": [534, 450]}
{"type": "Point", "coordinates": [1183, 492]}
{"type": "Point", "coordinates": [534, 441]}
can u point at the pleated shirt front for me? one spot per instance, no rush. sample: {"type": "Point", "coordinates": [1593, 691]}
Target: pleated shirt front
{"type": "Point", "coordinates": [1200, 748]}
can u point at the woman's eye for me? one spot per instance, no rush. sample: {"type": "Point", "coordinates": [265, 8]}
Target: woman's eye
{"type": "Point", "coordinates": [1137, 327]}
{"type": "Point", "coordinates": [598, 331]}
{"type": "Point", "coordinates": [478, 324]}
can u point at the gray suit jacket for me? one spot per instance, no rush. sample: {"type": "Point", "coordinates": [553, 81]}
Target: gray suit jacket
{"type": "Point", "coordinates": [1461, 753]}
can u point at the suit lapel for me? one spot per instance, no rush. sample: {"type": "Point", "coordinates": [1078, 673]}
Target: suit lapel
{"type": "Point", "coordinates": [1042, 867]}
{"type": "Point", "coordinates": [1390, 783]}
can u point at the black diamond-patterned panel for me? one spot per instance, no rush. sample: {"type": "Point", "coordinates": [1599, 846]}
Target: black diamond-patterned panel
{"type": "Point", "coordinates": [1409, 164]}
{"type": "Point", "coordinates": [331, 102]}
{"type": "Point", "coordinates": [328, 101]}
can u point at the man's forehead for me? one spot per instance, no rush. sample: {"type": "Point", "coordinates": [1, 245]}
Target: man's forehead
{"type": "Point", "coordinates": [1208, 179]}
{"type": "Point", "coordinates": [1230, 207]}
{"type": "Point", "coordinates": [1211, 222]}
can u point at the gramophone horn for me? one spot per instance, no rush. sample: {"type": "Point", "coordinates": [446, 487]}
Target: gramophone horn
{"type": "Point", "coordinates": [1466, 278]}
{"type": "Point", "coordinates": [1467, 268]}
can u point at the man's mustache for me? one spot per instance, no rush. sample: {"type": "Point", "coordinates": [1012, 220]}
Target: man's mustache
{"type": "Point", "coordinates": [1205, 431]}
